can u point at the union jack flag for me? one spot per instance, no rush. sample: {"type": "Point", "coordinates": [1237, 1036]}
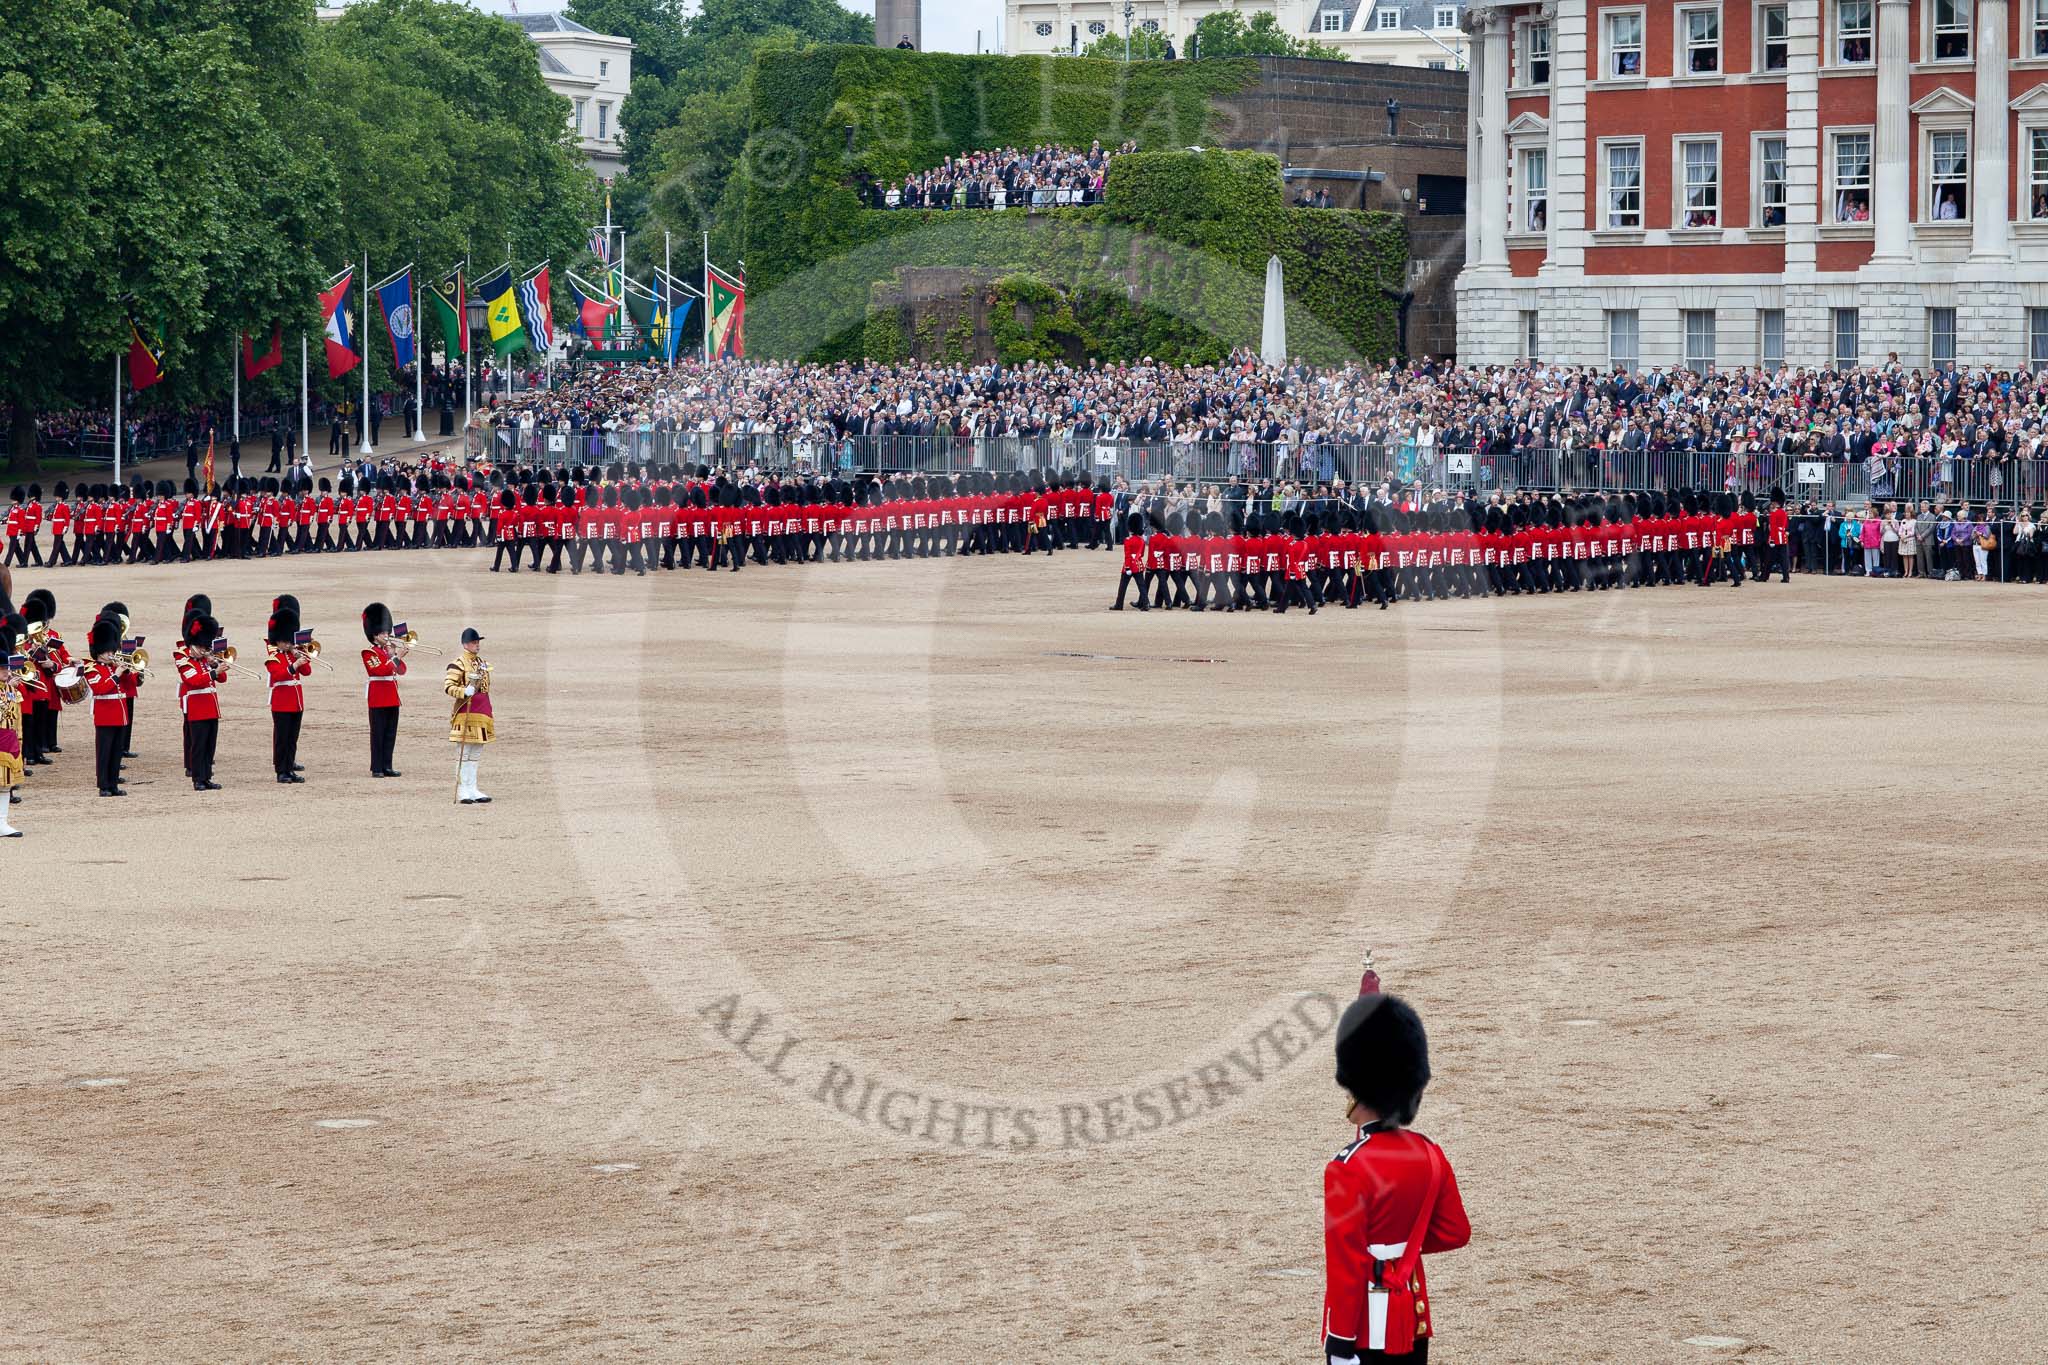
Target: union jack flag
{"type": "Point", "coordinates": [601, 245]}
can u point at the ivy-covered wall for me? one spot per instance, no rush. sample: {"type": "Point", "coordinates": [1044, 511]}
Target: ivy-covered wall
{"type": "Point", "coordinates": [1171, 265]}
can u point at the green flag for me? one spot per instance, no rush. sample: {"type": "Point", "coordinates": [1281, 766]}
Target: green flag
{"type": "Point", "coordinates": [446, 298]}
{"type": "Point", "coordinates": [641, 308]}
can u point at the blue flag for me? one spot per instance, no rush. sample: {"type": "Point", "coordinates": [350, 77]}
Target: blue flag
{"type": "Point", "coordinates": [395, 295]}
{"type": "Point", "coordinates": [677, 316]}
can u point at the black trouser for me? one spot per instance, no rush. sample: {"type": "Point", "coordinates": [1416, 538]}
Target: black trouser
{"type": "Point", "coordinates": [61, 552]}
{"type": "Point", "coordinates": [506, 547]}
{"type": "Point", "coordinates": [31, 734]}
{"type": "Point", "coordinates": [1780, 559]}
{"type": "Point", "coordinates": [108, 740]}
{"type": "Point", "coordinates": [284, 740]}
{"type": "Point", "coordinates": [383, 737]}
{"type": "Point", "coordinates": [555, 560]}
{"type": "Point", "coordinates": [1128, 579]}
{"type": "Point", "coordinates": [199, 741]}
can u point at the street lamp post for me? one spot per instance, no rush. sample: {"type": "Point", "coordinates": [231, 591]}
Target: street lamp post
{"type": "Point", "coordinates": [1130, 10]}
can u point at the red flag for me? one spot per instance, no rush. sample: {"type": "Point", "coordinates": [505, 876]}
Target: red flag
{"type": "Point", "coordinates": [253, 364]}
{"type": "Point", "coordinates": [342, 354]}
{"type": "Point", "coordinates": [145, 363]}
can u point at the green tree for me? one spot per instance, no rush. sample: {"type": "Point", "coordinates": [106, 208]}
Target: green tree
{"type": "Point", "coordinates": [153, 169]}
{"type": "Point", "coordinates": [1227, 33]}
{"type": "Point", "coordinates": [1144, 46]}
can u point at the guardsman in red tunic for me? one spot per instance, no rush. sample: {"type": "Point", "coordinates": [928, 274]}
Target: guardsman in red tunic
{"type": "Point", "coordinates": [131, 676]}
{"type": "Point", "coordinates": [1135, 561]}
{"type": "Point", "coordinates": [200, 670]}
{"type": "Point", "coordinates": [61, 552]}
{"type": "Point", "coordinates": [1778, 542]}
{"type": "Point", "coordinates": [1389, 1197]}
{"type": "Point", "coordinates": [288, 665]}
{"type": "Point", "coordinates": [109, 703]}
{"type": "Point", "coordinates": [384, 662]}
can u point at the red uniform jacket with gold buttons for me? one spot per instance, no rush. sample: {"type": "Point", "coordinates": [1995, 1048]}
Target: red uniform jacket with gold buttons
{"type": "Point", "coordinates": [287, 689]}
{"type": "Point", "coordinates": [384, 671]}
{"type": "Point", "coordinates": [1373, 1193]}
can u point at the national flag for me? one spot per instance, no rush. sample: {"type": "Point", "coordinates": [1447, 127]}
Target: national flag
{"type": "Point", "coordinates": [341, 338]}
{"type": "Point", "coordinates": [727, 314]}
{"type": "Point", "coordinates": [253, 364]}
{"type": "Point", "coordinates": [449, 311]}
{"type": "Point", "coordinates": [501, 312]}
{"type": "Point", "coordinates": [145, 362]}
{"type": "Point", "coordinates": [537, 307]}
{"type": "Point", "coordinates": [672, 329]}
{"type": "Point", "coordinates": [394, 296]}
{"type": "Point", "coordinates": [640, 306]}
{"type": "Point", "coordinates": [601, 245]}
{"type": "Point", "coordinates": [593, 315]}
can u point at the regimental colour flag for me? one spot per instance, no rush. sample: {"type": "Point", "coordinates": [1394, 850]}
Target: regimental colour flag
{"type": "Point", "coordinates": [145, 360]}
{"type": "Point", "coordinates": [253, 364]}
{"type": "Point", "coordinates": [593, 315]}
{"type": "Point", "coordinates": [501, 312]}
{"type": "Point", "coordinates": [448, 308]}
{"type": "Point", "coordinates": [727, 314]}
{"type": "Point", "coordinates": [394, 296]}
{"type": "Point", "coordinates": [537, 308]}
{"type": "Point", "coordinates": [342, 353]}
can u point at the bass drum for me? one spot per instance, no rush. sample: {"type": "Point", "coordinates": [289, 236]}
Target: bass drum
{"type": "Point", "coordinates": [71, 686]}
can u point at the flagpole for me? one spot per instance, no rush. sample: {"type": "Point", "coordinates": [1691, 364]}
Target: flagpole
{"type": "Point", "coordinates": [305, 398]}
{"type": "Point", "coordinates": [363, 340]}
{"type": "Point", "coordinates": [419, 361]}
{"type": "Point", "coordinates": [117, 417]}
{"type": "Point", "coordinates": [707, 300]}
{"type": "Point", "coordinates": [235, 421]}
{"type": "Point", "coordinates": [668, 339]}
{"type": "Point", "coordinates": [462, 312]}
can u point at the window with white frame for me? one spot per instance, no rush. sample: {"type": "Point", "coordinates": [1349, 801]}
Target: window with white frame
{"type": "Point", "coordinates": [2037, 339]}
{"type": "Point", "coordinates": [1770, 340]}
{"type": "Point", "coordinates": [2037, 29]}
{"type": "Point", "coordinates": [1699, 182]}
{"type": "Point", "coordinates": [1948, 175]}
{"type": "Point", "coordinates": [1623, 339]}
{"type": "Point", "coordinates": [1951, 37]}
{"type": "Point", "coordinates": [1388, 18]}
{"type": "Point", "coordinates": [1850, 161]}
{"type": "Point", "coordinates": [1528, 334]}
{"type": "Point", "coordinates": [1624, 37]}
{"type": "Point", "coordinates": [1847, 329]}
{"type": "Point", "coordinates": [1699, 37]}
{"type": "Point", "coordinates": [1855, 31]}
{"type": "Point", "coordinates": [580, 106]}
{"type": "Point", "coordinates": [1770, 197]}
{"type": "Point", "coordinates": [1535, 190]}
{"type": "Point", "coordinates": [1446, 16]}
{"type": "Point", "coordinates": [1536, 54]}
{"type": "Point", "coordinates": [1622, 169]}
{"type": "Point", "coordinates": [604, 69]}
{"type": "Point", "coordinates": [2037, 175]}
{"type": "Point", "coordinates": [1333, 21]}
{"type": "Point", "coordinates": [1941, 337]}
{"type": "Point", "coordinates": [1436, 65]}
{"type": "Point", "coordinates": [1699, 340]}
{"type": "Point", "coordinates": [1774, 38]}
{"type": "Point", "coordinates": [604, 120]}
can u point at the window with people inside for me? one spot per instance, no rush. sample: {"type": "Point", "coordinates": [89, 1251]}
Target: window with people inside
{"type": "Point", "coordinates": [1855, 30]}
{"type": "Point", "coordinates": [1852, 178]}
{"type": "Point", "coordinates": [1948, 175]}
{"type": "Point", "coordinates": [1625, 44]}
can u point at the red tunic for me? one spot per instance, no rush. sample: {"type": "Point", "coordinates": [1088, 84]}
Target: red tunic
{"type": "Point", "coordinates": [198, 696]}
{"type": "Point", "coordinates": [1373, 1193]}
{"type": "Point", "coordinates": [384, 671]}
{"type": "Point", "coordinates": [287, 687]}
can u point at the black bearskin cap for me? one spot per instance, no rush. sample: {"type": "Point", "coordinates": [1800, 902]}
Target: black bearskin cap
{"type": "Point", "coordinates": [1383, 1056]}
{"type": "Point", "coordinates": [201, 630]}
{"type": "Point", "coordinates": [104, 638]}
{"type": "Point", "coordinates": [376, 621]}
{"type": "Point", "coordinates": [40, 605]}
{"type": "Point", "coordinates": [284, 601]}
{"type": "Point", "coordinates": [284, 625]}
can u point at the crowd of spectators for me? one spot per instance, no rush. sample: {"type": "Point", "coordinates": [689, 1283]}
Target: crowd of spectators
{"type": "Point", "coordinates": [1008, 177]}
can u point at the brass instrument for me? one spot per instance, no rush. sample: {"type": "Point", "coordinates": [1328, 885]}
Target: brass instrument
{"type": "Point", "coordinates": [136, 662]}
{"type": "Point", "coordinates": [411, 641]}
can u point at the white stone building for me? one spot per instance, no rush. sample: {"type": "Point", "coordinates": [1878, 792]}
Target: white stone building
{"type": "Point", "coordinates": [594, 72]}
{"type": "Point", "coordinates": [1780, 181]}
{"type": "Point", "coordinates": [1396, 32]}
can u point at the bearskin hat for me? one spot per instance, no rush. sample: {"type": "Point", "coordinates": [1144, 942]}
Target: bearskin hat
{"type": "Point", "coordinates": [285, 602]}
{"type": "Point", "coordinates": [1383, 1056]}
{"type": "Point", "coordinates": [201, 630]}
{"type": "Point", "coordinates": [40, 605]}
{"type": "Point", "coordinates": [283, 627]}
{"type": "Point", "coordinates": [12, 628]}
{"type": "Point", "coordinates": [1777, 496]}
{"type": "Point", "coordinates": [376, 621]}
{"type": "Point", "coordinates": [104, 638]}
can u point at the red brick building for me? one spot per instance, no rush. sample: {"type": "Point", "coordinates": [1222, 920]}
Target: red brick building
{"type": "Point", "coordinates": [1808, 182]}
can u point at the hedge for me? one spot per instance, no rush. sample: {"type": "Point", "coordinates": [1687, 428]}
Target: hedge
{"type": "Point", "coordinates": [1187, 233]}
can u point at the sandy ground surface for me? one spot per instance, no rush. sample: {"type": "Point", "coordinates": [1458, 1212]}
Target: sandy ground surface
{"type": "Point", "coordinates": [916, 961]}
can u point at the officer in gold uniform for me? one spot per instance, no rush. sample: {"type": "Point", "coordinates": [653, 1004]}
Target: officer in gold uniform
{"type": "Point", "coordinates": [468, 685]}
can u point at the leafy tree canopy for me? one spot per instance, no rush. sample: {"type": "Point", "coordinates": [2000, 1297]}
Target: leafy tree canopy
{"type": "Point", "coordinates": [1227, 33]}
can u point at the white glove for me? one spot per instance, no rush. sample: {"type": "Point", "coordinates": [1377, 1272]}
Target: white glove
{"type": "Point", "coordinates": [469, 691]}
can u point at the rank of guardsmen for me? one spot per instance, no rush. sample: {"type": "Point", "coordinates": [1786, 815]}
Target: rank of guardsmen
{"type": "Point", "coordinates": [1333, 553]}
{"type": "Point", "coordinates": [600, 518]}
{"type": "Point", "coordinates": [43, 678]}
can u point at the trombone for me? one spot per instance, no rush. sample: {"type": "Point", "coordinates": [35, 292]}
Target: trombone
{"type": "Point", "coordinates": [411, 641]}
{"type": "Point", "coordinates": [135, 661]}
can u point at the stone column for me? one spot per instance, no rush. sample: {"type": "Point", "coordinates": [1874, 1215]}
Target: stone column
{"type": "Point", "coordinates": [1493, 142]}
{"type": "Point", "coordinates": [1891, 145]}
{"type": "Point", "coordinates": [1989, 203]}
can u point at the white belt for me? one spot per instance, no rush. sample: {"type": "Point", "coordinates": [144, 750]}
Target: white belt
{"type": "Point", "coordinates": [294, 682]}
{"type": "Point", "coordinates": [1388, 1251]}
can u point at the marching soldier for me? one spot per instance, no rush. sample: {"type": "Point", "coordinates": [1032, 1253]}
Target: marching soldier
{"type": "Point", "coordinates": [201, 666]}
{"type": "Point", "coordinates": [384, 662]}
{"type": "Point", "coordinates": [288, 665]}
{"type": "Point", "coordinates": [109, 702]}
{"type": "Point", "coordinates": [1389, 1197]}
{"type": "Point", "coordinates": [47, 652]}
{"type": "Point", "coordinates": [471, 727]}
{"type": "Point", "coordinates": [131, 677]}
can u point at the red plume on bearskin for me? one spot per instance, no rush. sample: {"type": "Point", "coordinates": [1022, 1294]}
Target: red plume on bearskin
{"type": "Point", "coordinates": [1369, 983]}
